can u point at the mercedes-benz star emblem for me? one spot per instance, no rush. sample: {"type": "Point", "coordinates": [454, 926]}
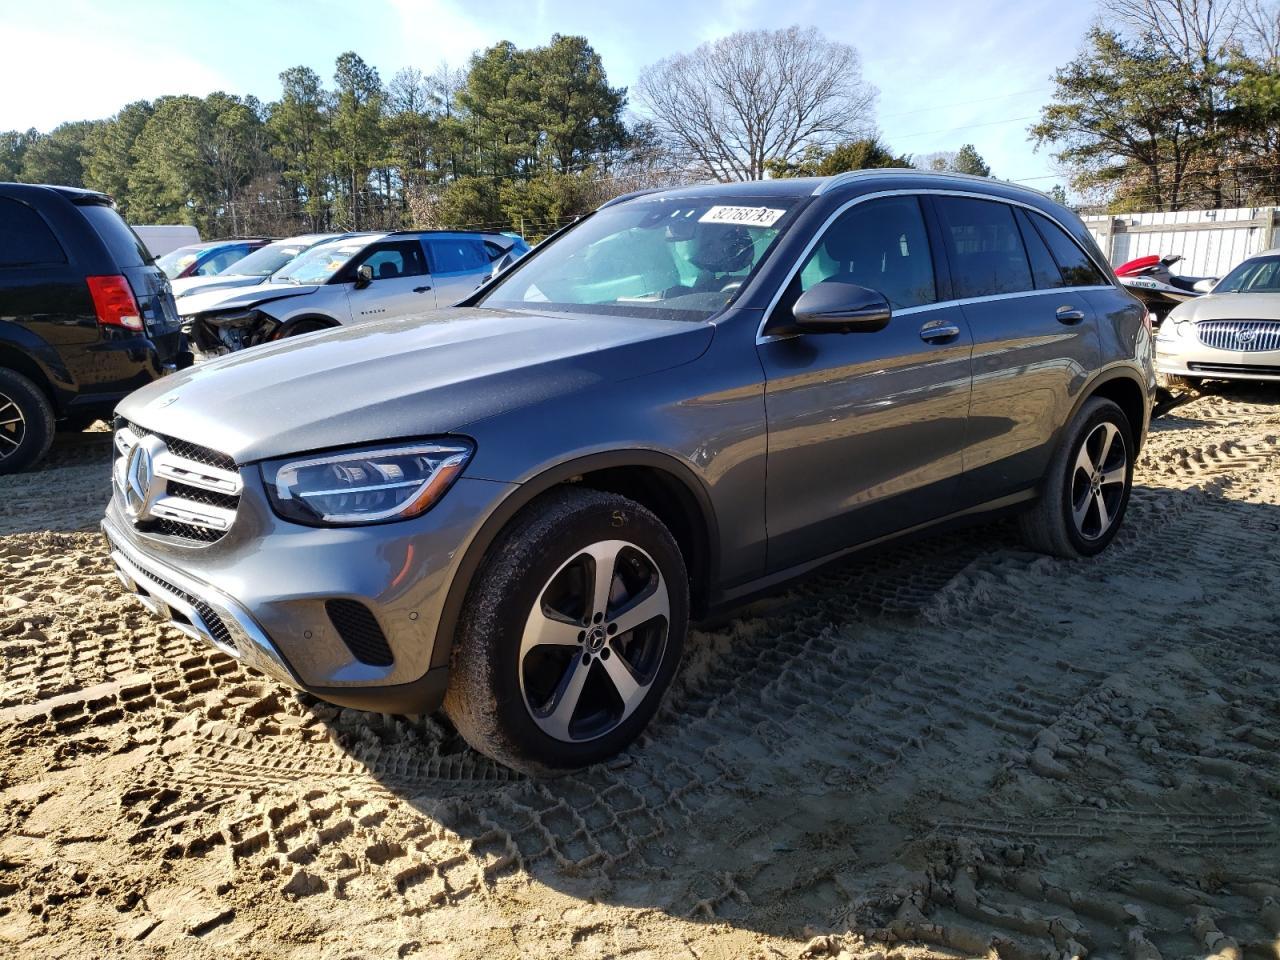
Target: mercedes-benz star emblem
{"type": "Point", "coordinates": [139, 485]}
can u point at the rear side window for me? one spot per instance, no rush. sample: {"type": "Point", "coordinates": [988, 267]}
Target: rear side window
{"type": "Point", "coordinates": [122, 243]}
{"type": "Point", "coordinates": [1043, 267]}
{"type": "Point", "coordinates": [1077, 269]}
{"type": "Point", "coordinates": [984, 247]}
{"type": "Point", "coordinates": [224, 258]}
{"type": "Point", "coordinates": [457, 256]}
{"type": "Point", "coordinates": [880, 244]}
{"type": "Point", "coordinates": [25, 239]}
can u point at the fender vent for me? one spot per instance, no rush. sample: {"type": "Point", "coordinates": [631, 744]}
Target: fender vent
{"type": "Point", "coordinates": [359, 631]}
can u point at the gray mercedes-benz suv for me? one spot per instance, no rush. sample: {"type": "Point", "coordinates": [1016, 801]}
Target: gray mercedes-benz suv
{"type": "Point", "coordinates": [513, 508]}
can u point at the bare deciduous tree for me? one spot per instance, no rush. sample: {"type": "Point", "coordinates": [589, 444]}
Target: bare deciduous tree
{"type": "Point", "coordinates": [734, 105]}
{"type": "Point", "coordinates": [1188, 30]}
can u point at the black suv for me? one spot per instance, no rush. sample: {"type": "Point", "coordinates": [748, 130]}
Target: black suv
{"type": "Point", "coordinates": [85, 315]}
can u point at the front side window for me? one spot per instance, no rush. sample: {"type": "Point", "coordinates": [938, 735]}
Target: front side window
{"type": "Point", "coordinates": [879, 244]}
{"type": "Point", "coordinates": [1077, 269]}
{"type": "Point", "coordinates": [391, 260]}
{"type": "Point", "coordinates": [25, 239]}
{"type": "Point", "coordinates": [984, 247]}
{"type": "Point", "coordinates": [1259, 275]}
{"type": "Point", "coordinates": [680, 258]}
{"type": "Point", "coordinates": [462, 255]}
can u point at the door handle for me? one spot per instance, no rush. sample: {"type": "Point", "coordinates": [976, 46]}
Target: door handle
{"type": "Point", "coordinates": [1068, 314]}
{"type": "Point", "coordinates": [421, 289]}
{"type": "Point", "coordinates": [936, 331]}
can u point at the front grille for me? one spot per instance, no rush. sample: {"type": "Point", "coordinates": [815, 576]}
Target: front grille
{"type": "Point", "coordinates": [1248, 336]}
{"type": "Point", "coordinates": [1242, 369]}
{"type": "Point", "coordinates": [359, 630]}
{"type": "Point", "coordinates": [201, 487]}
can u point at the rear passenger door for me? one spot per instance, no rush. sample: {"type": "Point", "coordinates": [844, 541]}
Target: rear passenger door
{"type": "Point", "coordinates": [866, 430]}
{"type": "Point", "coordinates": [401, 285]}
{"type": "Point", "coordinates": [1034, 340]}
{"type": "Point", "coordinates": [459, 265]}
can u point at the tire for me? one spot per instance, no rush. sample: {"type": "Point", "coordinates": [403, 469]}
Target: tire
{"type": "Point", "coordinates": [1055, 525]}
{"type": "Point", "coordinates": [26, 422]}
{"type": "Point", "coordinates": [508, 693]}
{"type": "Point", "coordinates": [306, 326]}
{"type": "Point", "coordinates": [1181, 386]}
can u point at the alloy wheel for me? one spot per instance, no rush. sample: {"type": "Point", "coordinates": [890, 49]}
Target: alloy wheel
{"type": "Point", "coordinates": [594, 641]}
{"type": "Point", "coordinates": [1098, 481]}
{"type": "Point", "coordinates": [13, 426]}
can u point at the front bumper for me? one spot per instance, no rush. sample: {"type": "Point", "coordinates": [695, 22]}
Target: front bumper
{"type": "Point", "coordinates": [195, 608]}
{"type": "Point", "coordinates": [1188, 357]}
{"type": "Point", "coordinates": [262, 593]}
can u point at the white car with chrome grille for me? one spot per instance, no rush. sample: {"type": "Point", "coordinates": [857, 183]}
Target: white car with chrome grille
{"type": "Point", "coordinates": [1233, 333]}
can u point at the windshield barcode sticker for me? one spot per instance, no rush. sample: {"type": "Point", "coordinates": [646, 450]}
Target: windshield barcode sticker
{"type": "Point", "coordinates": [745, 216]}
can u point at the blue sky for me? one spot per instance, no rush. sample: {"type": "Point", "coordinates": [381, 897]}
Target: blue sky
{"type": "Point", "coordinates": [948, 73]}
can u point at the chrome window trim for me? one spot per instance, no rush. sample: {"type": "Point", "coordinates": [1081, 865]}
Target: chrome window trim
{"type": "Point", "coordinates": [762, 337]}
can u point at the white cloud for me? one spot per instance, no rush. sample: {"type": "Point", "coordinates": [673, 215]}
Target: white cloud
{"type": "Point", "coordinates": [51, 76]}
{"type": "Point", "coordinates": [435, 30]}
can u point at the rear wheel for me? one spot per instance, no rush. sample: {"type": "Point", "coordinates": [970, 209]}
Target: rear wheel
{"type": "Point", "coordinates": [571, 633]}
{"type": "Point", "coordinates": [26, 422]}
{"type": "Point", "coordinates": [1086, 490]}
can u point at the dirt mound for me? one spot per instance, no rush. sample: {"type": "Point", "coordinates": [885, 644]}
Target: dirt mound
{"type": "Point", "coordinates": [949, 748]}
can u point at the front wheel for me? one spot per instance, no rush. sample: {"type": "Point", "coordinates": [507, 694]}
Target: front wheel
{"type": "Point", "coordinates": [1086, 490]}
{"type": "Point", "coordinates": [571, 633]}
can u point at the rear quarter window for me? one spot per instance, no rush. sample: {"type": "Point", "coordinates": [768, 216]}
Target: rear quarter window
{"type": "Point", "coordinates": [25, 239]}
{"type": "Point", "coordinates": [121, 242]}
{"type": "Point", "coordinates": [1078, 270]}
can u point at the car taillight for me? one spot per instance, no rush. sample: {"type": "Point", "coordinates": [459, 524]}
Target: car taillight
{"type": "Point", "coordinates": [114, 303]}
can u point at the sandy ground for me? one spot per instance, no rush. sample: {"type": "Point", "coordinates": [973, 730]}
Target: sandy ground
{"type": "Point", "coordinates": [953, 748]}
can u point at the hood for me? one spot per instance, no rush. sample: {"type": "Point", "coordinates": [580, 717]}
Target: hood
{"type": "Point", "coordinates": [403, 377]}
{"type": "Point", "coordinates": [240, 298]}
{"type": "Point", "coordinates": [195, 299]}
{"type": "Point", "coordinates": [185, 285]}
{"type": "Point", "coordinates": [1229, 306]}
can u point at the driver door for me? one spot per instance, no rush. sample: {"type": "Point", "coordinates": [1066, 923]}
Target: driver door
{"type": "Point", "coordinates": [401, 283]}
{"type": "Point", "coordinates": [866, 429]}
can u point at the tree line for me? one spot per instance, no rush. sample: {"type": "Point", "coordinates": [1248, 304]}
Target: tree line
{"type": "Point", "coordinates": [1172, 104]}
{"type": "Point", "coordinates": [520, 136]}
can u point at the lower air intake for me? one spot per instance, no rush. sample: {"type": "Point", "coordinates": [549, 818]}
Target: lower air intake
{"type": "Point", "coordinates": [359, 630]}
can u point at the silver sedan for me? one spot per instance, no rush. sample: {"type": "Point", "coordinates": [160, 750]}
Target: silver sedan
{"type": "Point", "coordinates": [1233, 333]}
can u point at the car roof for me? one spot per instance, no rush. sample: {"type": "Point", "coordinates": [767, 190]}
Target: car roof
{"type": "Point", "coordinates": [852, 181]}
{"type": "Point", "coordinates": [74, 194]}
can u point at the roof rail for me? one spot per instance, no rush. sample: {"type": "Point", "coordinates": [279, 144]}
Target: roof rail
{"type": "Point", "coordinates": [621, 198]}
{"type": "Point", "coordinates": [852, 176]}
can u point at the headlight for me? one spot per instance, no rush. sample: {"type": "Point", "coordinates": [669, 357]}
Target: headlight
{"type": "Point", "coordinates": [1173, 329]}
{"type": "Point", "coordinates": [369, 485]}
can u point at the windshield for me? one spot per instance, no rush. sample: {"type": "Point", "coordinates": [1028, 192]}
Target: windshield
{"type": "Point", "coordinates": [1259, 275]}
{"type": "Point", "coordinates": [265, 261]}
{"type": "Point", "coordinates": [175, 261]}
{"type": "Point", "coordinates": [679, 258]}
{"type": "Point", "coordinates": [321, 262]}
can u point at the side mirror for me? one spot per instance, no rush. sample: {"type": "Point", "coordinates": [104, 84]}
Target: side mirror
{"type": "Point", "coordinates": [835, 306]}
{"type": "Point", "coordinates": [1206, 285]}
{"type": "Point", "coordinates": [364, 276]}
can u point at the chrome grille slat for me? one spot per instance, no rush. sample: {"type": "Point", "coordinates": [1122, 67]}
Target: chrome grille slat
{"type": "Point", "coordinates": [1259, 335]}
